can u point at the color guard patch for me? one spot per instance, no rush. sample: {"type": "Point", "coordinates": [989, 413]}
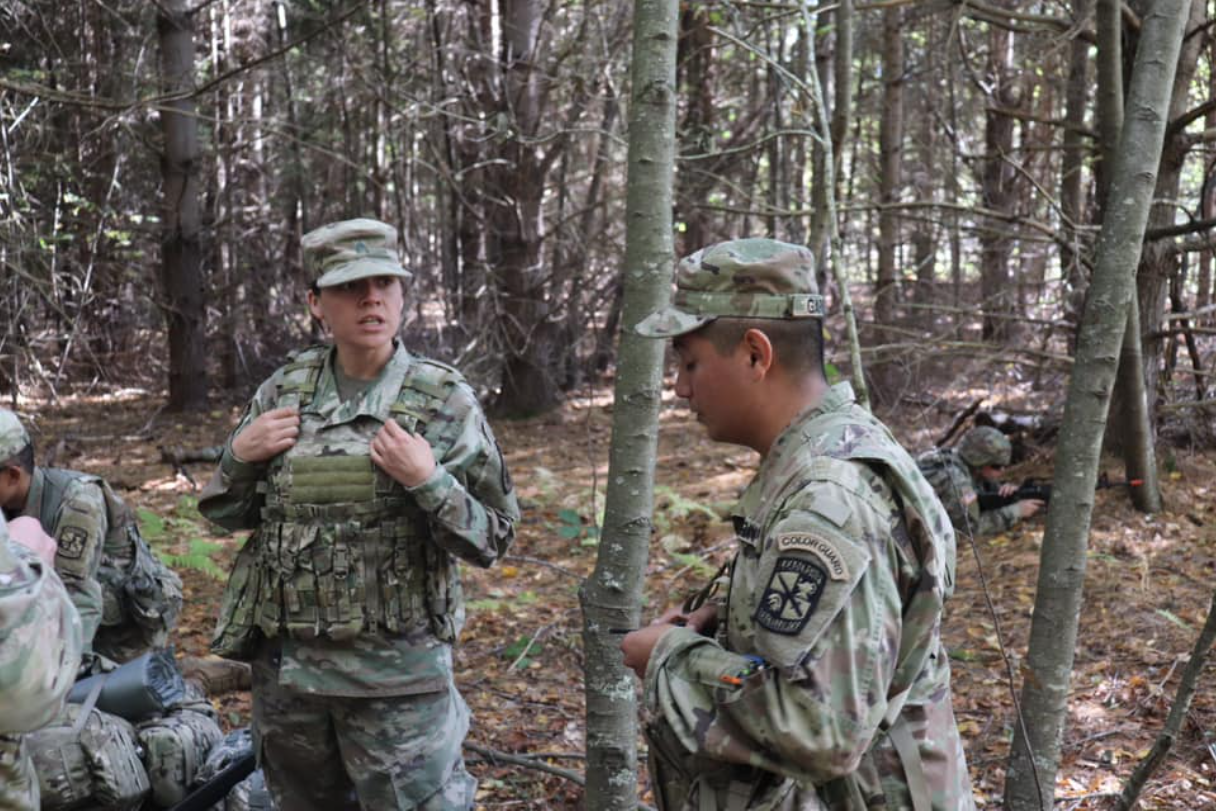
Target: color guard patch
{"type": "Point", "coordinates": [72, 541]}
{"type": "Point", "coordinates": [791, 596]}
{"type": "Point", "coordinates": [821, 548]}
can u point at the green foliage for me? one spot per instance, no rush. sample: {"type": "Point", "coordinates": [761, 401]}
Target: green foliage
{"type": "Point", "coordinates": [523, 649]}
{"type": "Point", "coordinates": [671, 507]}
{"type": "Point", "coordinates": [499, 599]}
{"type": "Point", "coordinates": [164, 535]}
{"type": "Point", "coordinates": [571, 526]}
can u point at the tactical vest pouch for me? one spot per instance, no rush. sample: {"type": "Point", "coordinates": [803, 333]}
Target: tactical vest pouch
{"type": "Point", "coordinates": [141, 596]}
{"type": "Point", "coordinates": [236, 630]}
{"type": "Point", "coordinates": [87, 758]}
{"type": "Point", "coordinates": [330, 480]}
{"type": "Point", "coordinates": [175, 748]}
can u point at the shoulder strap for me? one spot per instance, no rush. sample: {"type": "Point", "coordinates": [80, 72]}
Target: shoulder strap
{"type": "Point", "coordinates": [426, 387]}
{"type": "Point", "coordinates": [300, 376]}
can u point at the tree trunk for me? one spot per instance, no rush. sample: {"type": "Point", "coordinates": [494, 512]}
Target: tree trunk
{"type": "Point", "coordinates": [891, 134]}
{"type": "Point", "coordinates": [1073, 251]}
{"type": "Point", "coordinates": [181, 249]}
{"type": "Point", "coordinates": [612, 596]}
{"type": "Point", "coordinates": [1159, 261]}
{"type": "Point", "coordinates": [1033, 764]}
{"type": "Point", "coordinates": [997, 182]}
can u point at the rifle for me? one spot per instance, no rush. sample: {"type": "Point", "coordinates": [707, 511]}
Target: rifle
{"type": "Point", "coordinates": [218, 787]}
{"type": "Point", "coordinates": [1039, 489]}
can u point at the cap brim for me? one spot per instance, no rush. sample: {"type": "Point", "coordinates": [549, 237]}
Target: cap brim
{"type": "Point", "coordinates": [670, 322]}
{"type": "Point", "coordinates": [362, 268]}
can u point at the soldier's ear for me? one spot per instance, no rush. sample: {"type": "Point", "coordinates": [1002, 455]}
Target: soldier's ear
{"type": "Point", "coordinates": [759, 350]}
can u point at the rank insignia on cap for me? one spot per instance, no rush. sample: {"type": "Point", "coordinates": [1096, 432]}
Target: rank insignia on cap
{"type": "Point", "coordinates": [72, 542]}
{"type": "Point", "coordinates": [791, 596]}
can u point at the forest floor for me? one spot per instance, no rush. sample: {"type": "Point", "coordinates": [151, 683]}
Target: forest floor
{"type": "Point", "coordinates": [1148, 587]}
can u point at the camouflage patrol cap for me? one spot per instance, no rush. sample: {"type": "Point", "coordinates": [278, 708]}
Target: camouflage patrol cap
{"type": "Point", "coordinates": [352, 249]}
{"type": "Point", "coordinates": [13, 436]}
{"type": "Point", "coordinates": [754, 278]}
{"type": "Point", "coordinates": [985, 446]}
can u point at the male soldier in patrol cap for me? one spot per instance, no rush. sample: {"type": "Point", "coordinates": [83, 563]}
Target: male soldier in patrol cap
{"type": "Point", "coordinates": [40, 639]}
{"type": "Point", "coordinates": [128, 600]}
{"type": "Point", "coordinates": [959, 476]}
{"type": "Point", "coordinates": [821, 680]}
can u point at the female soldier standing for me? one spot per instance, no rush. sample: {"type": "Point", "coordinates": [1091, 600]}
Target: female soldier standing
{"type": "Point", "coordinates": [365, 472]}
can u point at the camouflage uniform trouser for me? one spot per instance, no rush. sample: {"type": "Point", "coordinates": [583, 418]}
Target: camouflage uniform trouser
{"type": "Point", "coordinates": [329, 752]}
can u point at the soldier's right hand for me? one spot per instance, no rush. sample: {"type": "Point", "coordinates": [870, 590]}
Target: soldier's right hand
{"type": "Point", "coordinates": [1029, 507]}
{"type": "Point", "coordinates": [267, 435]}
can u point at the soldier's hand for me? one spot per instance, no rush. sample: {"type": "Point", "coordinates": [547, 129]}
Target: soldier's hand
{"type": "Point", "coordinates": [1029, 507]}
{"type": "Point", "coordinates": [637, 646]}
{"type": "Point", "coordinates": [267, 435]}
{"type": "Point", "coordinates": [27, 531]}
{"type": "Point", "coordinates": [405, 457]}
{"type": "Point", "coordinates": [1008, 489]}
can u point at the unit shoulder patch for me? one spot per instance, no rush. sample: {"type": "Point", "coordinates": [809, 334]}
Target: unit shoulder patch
{"type": "Point", "coordinates": [72, 542]}
{"type": "Point", "coordinates": [793, 592]}
{"type": "Point", "coordinates": [837, 568]}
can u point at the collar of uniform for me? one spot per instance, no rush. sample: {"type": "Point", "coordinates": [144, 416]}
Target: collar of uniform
{"type": "Point", "coordinates": [33, 499]}
{"type": "Point", "coordinates": [376, 399]}
{"type": "Point", "coordinates": [790, 441]}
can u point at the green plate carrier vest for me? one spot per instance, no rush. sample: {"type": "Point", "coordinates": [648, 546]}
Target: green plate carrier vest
{"type": "Point", "coordinates": [343, 549]}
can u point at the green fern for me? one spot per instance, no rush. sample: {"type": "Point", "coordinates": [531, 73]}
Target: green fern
{"type": "Point", "coordinates": [198, 558]}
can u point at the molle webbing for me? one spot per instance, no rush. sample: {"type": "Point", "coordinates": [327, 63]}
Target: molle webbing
{"type": "Point", "coordinates": [343, 549]}
{"type": "Point", "coordinates": [331, 480]}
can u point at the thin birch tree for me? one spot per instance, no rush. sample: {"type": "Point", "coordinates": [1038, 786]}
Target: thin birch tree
{"type": "Point", "coordinates": [1030, 782]}
{"type": "Point", "coordinates": [612, 596]}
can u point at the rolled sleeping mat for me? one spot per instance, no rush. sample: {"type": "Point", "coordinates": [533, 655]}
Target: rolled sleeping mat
{"type": "Point", "coordinates": [143, 687]}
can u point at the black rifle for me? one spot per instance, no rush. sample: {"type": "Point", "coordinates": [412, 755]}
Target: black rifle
{"type": "Point", "coordinates": [215, 790]}
{"type": "Point", "coordinates": [1041, 490]}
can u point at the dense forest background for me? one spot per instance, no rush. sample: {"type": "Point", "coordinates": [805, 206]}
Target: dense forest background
{"type": "Point", "coordinates": [161, 161]}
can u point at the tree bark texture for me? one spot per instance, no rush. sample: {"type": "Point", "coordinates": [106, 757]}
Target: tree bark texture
{"type": "Point", "coordinates": [1159, 261]}
{"type": "Point", "coordinates": [612, 595]}
{"type": "Point", "coordinates": [997, 185]}
{"type": "Point", "coordinates": [181, 246]}
{"type": "Point", "coordinates": [890, 136]}
{"type": "Point", "coordinates": [1053, 634]}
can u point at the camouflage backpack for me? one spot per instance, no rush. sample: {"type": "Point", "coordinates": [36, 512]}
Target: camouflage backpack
{"type": "Point", "coordinates": [142, 596]}
{"type": "Point", "coordinates": [88, 758]}
{"type": "Point", "coordinates": [176, 746]}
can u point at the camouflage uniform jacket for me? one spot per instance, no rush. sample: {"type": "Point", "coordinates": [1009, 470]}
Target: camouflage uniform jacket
{"type": "Point", "coordinates": [468, 504]}
{"type": "Point", "coordinates": [72, 508]}
{"type": "Point", "coordinates": [40, 642]}
{"type": "Point", "coordinates": [828, 672]}
{"type": "Point", "coordinates": [958, 489]}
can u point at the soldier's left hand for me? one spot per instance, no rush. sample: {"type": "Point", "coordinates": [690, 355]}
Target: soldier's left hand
{"type": "Point", "coordinates": [404, 456]}
{"type": "Point", "coordinates": [1008, 489]}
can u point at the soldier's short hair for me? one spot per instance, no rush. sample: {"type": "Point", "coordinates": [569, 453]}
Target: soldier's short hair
{"type": "Point", "coordinates": [798, 344]}
{"type": "Point", "coordinates": [23, 459]}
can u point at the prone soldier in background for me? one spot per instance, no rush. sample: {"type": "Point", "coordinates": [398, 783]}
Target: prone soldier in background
{"type": "Point", "coordinates": [40, 642]}
{"type": "Point", "coordinates": [959, 476]}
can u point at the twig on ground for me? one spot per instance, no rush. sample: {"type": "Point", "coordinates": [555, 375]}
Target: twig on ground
{"type": "Point", "coordinates": [531, 762]}
{"type": "Point", "coordinates": [542, 563]}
